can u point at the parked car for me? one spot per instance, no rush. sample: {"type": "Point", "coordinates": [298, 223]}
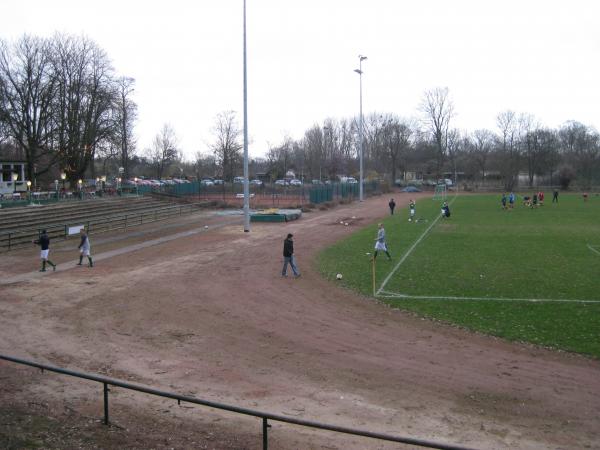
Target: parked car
{"type": "Point", "coordinates": [238, 180]}
{"type": "Point", "coordinates": [256, 182]}
{"type": "Point", "coordinates": [316, 182]}
{"type": "Point", "coordinates": [218, 182]}
{"type": "Point", "coordinates": [295, 182]}
{"type": "Point", "coordinates": [411, 189]}
{"type": "Point", "coordinates": [207, 182]}
{"type": "Point", "coordinates": [281, 183]}
{"type": "Point", "coordinates": [351, 180]}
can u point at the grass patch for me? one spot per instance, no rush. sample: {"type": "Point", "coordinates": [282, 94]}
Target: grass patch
{"type": "Point", "coordinates": [485, 252]}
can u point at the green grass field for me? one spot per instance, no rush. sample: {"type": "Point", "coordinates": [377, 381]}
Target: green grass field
{"type": "Point", "coordinates": [529, 275]}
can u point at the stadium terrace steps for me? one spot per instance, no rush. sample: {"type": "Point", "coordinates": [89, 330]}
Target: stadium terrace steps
{"type": "Point", "coordinates": [19, 225]}
{"type": "Point", "coordinates": [22, 218]}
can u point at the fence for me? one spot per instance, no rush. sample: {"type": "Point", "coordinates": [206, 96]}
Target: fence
{"type": "Point", "coordinates": [267, 194]}
{"type": "Point", "coordinates": [20, 238]}
{"type": "Point", "coordinates": [265, 416]}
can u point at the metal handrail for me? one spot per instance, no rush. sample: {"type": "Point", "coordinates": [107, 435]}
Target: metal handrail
{"type": "Point", "coordinates": [265, 416]}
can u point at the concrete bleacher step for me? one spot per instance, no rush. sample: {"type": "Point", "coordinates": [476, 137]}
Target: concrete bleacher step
{"type": "Point", "coordinates": [42, 216]}
{"type": "Point", "coordinates": [99, 216]}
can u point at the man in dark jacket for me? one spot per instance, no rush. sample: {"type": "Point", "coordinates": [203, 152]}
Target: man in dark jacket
{"type": "Point", "coordinates": [392, 205]}
{"type": "Point", "coordinates": [288, 256]}
{"type": "Point", "coordinates": [44, 243]}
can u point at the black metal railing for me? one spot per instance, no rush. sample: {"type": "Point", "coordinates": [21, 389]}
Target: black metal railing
{"type": "Point", "coordinates": [265, 416]}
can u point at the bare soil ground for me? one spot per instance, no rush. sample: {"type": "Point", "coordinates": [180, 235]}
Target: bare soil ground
{"type": "Point", "coordinates": [205, 312]}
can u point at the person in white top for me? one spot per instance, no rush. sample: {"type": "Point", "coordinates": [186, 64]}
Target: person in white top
{"type": "Point", "coordinates": [84, 248]}
{"type": "Point", "coordinates": [380, 243]}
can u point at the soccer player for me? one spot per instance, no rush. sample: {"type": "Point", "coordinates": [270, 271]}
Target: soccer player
{"type": "Point", "coordinates": [445, 210]}
{"type": "Point", "coordinates": [380, 243]}
{"type": "Point", "coordinates": [503, 201]}
{"type": "Point", "coordinates": [84, 248]}
{"type": "Point", "coordinates": [44, 243]}
{"type": "Point", "coordinates": [511, 200]}
{"type": "Point", "coordinates": [412, 206]}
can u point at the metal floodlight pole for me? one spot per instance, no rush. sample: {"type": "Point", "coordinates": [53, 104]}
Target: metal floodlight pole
{"type": "Point", "coordinates": [246, 183]}
{"type": "Point", "coordinates": [359, 71]}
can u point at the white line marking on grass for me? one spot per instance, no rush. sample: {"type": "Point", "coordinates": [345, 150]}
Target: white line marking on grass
{"type": "Point", "coordinates": [387, 294]}
{"type": "Point", "coordinates": [409, 251]}
{"type": "Point", "coordinates": [593, 248]}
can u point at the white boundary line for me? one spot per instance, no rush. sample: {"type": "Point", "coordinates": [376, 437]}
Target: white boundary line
{"type": "Point", "coordinates": [388, 294]}
{"type": "Point", "coordinates": [409, 251]}
{"type": "Point", "coordinates": [592, 248]}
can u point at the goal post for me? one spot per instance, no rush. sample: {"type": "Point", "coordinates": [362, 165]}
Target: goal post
{"type": "Point", "coordinates": [440, 192]}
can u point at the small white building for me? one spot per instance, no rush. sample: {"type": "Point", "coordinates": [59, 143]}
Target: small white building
{"type": "Point", "coordinates": [7, 170]}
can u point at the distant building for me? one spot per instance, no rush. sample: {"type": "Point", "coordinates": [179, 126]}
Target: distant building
{"type": "Point", "coordinates": [7, 168]}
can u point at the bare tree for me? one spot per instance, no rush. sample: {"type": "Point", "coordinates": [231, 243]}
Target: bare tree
{"type": "Point", "coordinates": [125, 115]}
{"type": "Point", "coordinates": [227, 146]}
{"type": "Point", "coordinates": [581, 147]}
{"type": "Point", "coordinates": [510, 156]}
{"type": "Point", "coordinates": [314, 147]}
{"type": "Point", "coordinates": [163, 151]}
{"type": "Point", "coordinates": [438, 110]}
{"type": "Point", "coordinates": [394, 138]}
{"type": "Point", "coordinates": [83, 106]}
{"type": "Point", "coordinates": [205, 165]}
{"type": "Point", "coordinates": [27, 89]}
{"type": "Point", "coordinates": [481, 145]}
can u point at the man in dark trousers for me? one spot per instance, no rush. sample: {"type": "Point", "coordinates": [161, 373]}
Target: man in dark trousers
{"type": "Point", "coordinates": [44, 243]}
{"type": "Point", "coordinates": [288, 256]}
{"type": "Point", "coordinates": [555, 196]}
{"type": "Point", "coordinates": [392, 205]}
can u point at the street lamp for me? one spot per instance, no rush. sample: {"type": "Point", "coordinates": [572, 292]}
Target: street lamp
{"type": "Point", "coordinates": [29, 190]}
{"type": "Point", "coordinates": [79, 182]}
{"type": "Point", "coordinates": [15, 177]}
{"type": "Point", "coordinates": [360, 131]}
{"type": "Point", "coordinates": [63, 176]}
{"type": "Point", "coordinates": [56, 188]}
{"type": "Point", "coordinates": [135, 180]}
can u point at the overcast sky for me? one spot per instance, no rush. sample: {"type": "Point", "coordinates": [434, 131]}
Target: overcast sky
{"type": "Point", "coordinates": [539, 57]}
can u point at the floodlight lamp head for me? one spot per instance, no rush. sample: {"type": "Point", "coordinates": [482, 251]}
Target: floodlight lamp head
{"type": "Point", "coordinates": [361, 57]}
{"type": "Point", "coordinates": [358, 71]}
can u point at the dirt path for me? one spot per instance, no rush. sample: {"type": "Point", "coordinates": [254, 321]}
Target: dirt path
{"type": "Point", "coordinates": [208, 314]}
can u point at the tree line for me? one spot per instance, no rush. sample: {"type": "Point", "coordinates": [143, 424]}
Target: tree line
{"type": "Point", "coordinates": [429, 147]}
{"type": "Point", "coordinates": [63, 108]}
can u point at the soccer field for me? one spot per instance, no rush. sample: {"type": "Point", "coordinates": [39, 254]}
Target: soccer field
{"type": "Point", "coordinates": [523, 274]}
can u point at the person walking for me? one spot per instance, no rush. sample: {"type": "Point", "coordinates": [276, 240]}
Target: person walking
{"type": "Point", "coordinates": [84, 248]}
{"type": "Point", "coordinates": [44, 243]}
{"type": "Point", "coordinates": [288, 256]}
{"type": "Point", "coordinates": [392, 205]}
{"type": "Point", "coordinates": [555, 196]}
{"type": "Point", "coordinates": [412, 206]}
{"type": "Point", "coordinates": [380, 243]}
